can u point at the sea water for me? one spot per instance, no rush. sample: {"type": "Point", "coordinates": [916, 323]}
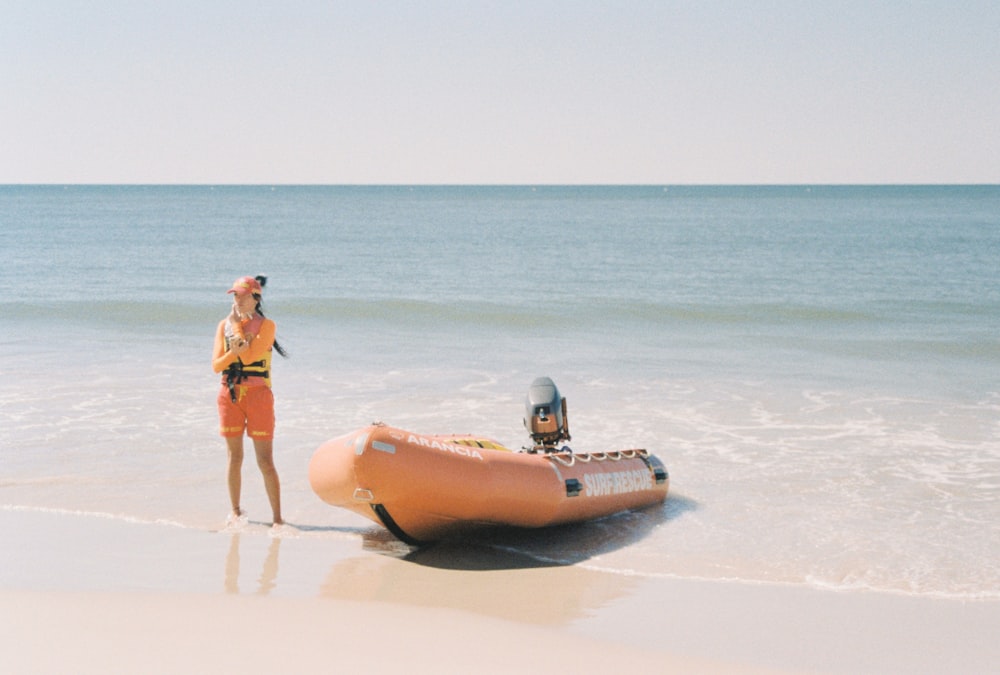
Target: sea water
{"type": "Point", "coordinates": [816, 366]}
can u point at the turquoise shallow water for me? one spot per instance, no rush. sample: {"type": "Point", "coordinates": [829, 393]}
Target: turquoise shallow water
{"type": "Point", "coordinates": [816, 365]}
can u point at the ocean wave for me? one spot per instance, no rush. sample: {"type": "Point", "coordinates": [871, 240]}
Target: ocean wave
{"type": "Point", "coordinates": [103, 515]}
{"type": "Point", "coordinates": [809, 581]}
{"type": "Point", "coordinates": [614, 311]}
{"type": "Point", "coordinates": [112, 314]}
{"type": "Point", "coordinates": [571, 309]}
{"type": "Point", "coordinates": [945, 331]}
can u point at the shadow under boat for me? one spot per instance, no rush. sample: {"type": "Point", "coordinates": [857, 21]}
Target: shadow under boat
{"type": "Point", "coordinates": [506, 548]}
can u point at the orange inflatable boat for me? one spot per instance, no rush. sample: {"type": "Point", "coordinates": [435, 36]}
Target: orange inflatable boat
{"type": "Point", "coordinates": [423, 487]}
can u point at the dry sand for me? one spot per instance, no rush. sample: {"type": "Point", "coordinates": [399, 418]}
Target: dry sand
{"type": "Point", "coordinates": [90, 595]}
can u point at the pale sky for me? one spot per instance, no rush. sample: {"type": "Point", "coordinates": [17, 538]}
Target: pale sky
{"type": "Point", "coordinates": [523, 92]}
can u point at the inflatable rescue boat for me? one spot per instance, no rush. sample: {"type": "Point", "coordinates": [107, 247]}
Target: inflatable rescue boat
{"type": "Point", "coordinates": [423, 488]}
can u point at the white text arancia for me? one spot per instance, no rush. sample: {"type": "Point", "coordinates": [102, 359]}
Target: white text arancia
{"type": "Point", "coordinates": [448, 447]}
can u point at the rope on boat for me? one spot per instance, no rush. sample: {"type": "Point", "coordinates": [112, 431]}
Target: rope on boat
{"type": "Point", "coordinates": [569, 459]}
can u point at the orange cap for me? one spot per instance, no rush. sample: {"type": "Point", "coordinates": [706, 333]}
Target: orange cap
{"type": "Point", "coordinates": [245, 285]}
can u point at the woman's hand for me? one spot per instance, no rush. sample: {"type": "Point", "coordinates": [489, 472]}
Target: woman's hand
{"type": "Point", "coordinates": [238, 345]}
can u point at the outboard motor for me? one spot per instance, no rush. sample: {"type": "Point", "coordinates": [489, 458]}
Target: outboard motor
{"type": "Point", "coordinates": [545, 415]}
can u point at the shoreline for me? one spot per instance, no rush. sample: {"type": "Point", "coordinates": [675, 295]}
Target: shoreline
{"type": "Point", "coordinates": [87, 594]}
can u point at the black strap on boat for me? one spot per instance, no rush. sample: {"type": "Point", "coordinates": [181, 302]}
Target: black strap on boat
{"type": "Point", "coordinates": [656, 466]}
{"type": "Point", "coordinates": [390, 524]}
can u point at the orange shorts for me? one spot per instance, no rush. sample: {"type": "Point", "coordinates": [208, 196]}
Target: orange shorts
{"type": "Point", "coordinates": [253, 412]}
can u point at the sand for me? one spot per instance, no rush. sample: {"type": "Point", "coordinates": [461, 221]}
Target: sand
{"type": "Point", "coordinates": [85, 594]}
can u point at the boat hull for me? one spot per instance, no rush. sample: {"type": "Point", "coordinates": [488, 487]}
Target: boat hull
{"type": "Point", "coordinates": [425, 488]}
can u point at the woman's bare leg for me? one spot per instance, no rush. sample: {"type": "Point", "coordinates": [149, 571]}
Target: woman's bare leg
{"type": "Point", "coordinates": [234, 444]}
{"type": "Point", "coordinates": [265, 461]}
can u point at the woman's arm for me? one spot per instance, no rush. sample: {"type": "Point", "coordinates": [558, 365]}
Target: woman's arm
{"type": "Point", "coordinates": [260, 344]}
{"type": "Point", "coordinates": [221, 358]}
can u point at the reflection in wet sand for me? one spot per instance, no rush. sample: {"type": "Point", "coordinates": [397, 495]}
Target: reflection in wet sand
{"type": "Point", "coordinates": [542, 595]}
{"type": "Point", "coordinates": [231, 581]}
{"type": "Point", "coordinates": [269, 573]}
{"type": "Point", "coordinates": [268, 578]}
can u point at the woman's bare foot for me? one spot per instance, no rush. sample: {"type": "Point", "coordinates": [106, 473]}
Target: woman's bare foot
{"type": "Point", "coordinates": [236, 517]}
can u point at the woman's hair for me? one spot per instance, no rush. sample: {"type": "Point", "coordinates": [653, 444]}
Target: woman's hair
{"type": "Point", "coordinates": [262, 280]}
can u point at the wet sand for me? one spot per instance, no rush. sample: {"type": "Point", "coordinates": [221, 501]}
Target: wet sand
{"type": "Point", "coordinates": [86, 594]}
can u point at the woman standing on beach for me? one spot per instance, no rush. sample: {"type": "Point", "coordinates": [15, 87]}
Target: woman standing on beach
{"type": "Point", "coordinates": [242, 353]}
